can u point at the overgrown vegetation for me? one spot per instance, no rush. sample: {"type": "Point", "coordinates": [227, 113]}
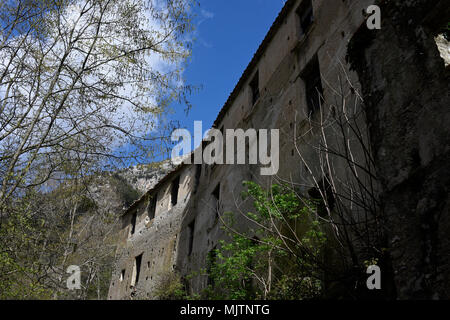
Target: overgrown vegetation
{"type": "Point", "coordinates": [128, 193]}
{"type": "Point", "coordinates": [170, 287]}
{"type": "Point", "coordinates": [44, 234]}
{"type": "Point", "coordinates": [279, 257]}
{"type": "Point", "coordinates": [20, 265]}
{"type": "Point", "coordinates": [83, 87]}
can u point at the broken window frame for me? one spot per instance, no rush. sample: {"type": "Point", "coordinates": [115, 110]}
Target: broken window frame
{"type": "Point", "coordinates": [216, 192]}
{"type": "Point", "coordinates": [305, 14]}
{"type": "Point", "coordinates": [174, 190]}
{"type": "Point", "coordinates": [151, 208]}
{"type": "Point", "coordinates": [216, 197]}
{"type": "Point", "coordinates": [136, 270]}
{"type": "Point", "coordinates": [198, 174]}
{"type": "Point", "coordinates": [312, 78]}
{"type": "Point", "coordinates": [191, 230]}
{"type": "Point", "coordinates": [324, 197]}
{"type": "Point", "coordinates": [133, 223]}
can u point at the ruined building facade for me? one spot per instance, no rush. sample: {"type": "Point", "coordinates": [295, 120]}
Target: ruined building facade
{"type": "Point", "coordinates": [316, 53]}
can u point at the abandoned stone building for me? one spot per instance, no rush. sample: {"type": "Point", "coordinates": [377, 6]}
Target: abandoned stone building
{"type": "Point", "coordinates": [317, 56]}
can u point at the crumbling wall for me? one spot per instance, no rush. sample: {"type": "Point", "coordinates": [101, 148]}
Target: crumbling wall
{"type": "Point", "coordinates": [405, 86]}
{"type": "Point", "coordinates": [155, 239]}
{"type": "Point", "coordinates": [281, 105]}
{"type": "Point", "coordinates": [406, 90]}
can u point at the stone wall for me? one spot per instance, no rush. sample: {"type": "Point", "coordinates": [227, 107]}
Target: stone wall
{"type": "Point", "coordinates": [157, 238]}
{"type": "Point", "coordinates": [281, 58]}
{"type": "Point", "coordinates": [405, 84]}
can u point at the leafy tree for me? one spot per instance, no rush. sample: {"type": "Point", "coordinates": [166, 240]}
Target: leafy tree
{"type": "Point", "coordinates": [279, 258]}
{"type": "Point", "coordinates": [20, 267]}
{"type": "Point", "coordinates": [85, 86]}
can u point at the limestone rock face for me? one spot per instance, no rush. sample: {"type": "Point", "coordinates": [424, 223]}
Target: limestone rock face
{"type": "Point", "coordinates": [114, 191]}
{"type": "Point", "coordinates": [144, 177]}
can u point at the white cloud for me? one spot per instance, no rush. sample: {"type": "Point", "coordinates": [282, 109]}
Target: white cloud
{"type": "Point", "coordinates": [122, 113]}
{"type": "Point", "coordinates": [207, 14]}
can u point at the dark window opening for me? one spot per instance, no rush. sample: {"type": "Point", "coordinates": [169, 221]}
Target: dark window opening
{"type": "Point", "coordinates": [216, 192]}
{"type": "Point", "coordinates": [152, 206]}
{"type": "Point", "coordinates": [216, 195]}
{"type": "Point", "coordinates": [306, 16]}
{"type": "Point", "coordinates": [223, 144]}
{"type": "Point", "coordinates": [174, 191]}
{"type": "Point", "coordinates": [323, 196]}
{"type": "Point", "coordinates": [122, 275]}
{"type": "Point", "coordinates": [191, 229]}
{"type": "Point", "coordinates": [254, 86]}
{"type": "Point", "coordinates": [133, 223]}
{"type": "Point", "coordinates": [218, 154]}
{"type": "Point", "coordinates": [198, 173]}
{"type": "Point", "coordinates": [313, 86]}
{"type": "Point", "coordinates": [137, 264]}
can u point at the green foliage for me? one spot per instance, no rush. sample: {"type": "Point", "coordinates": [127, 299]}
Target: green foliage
{"type": "Point", "coordinates": [19, 263]}
{"type": "Point", "coordinates": [124, 189]}
{"type": "Point", "coordinates": [170, 287]}
{"type": "Point", "coordinates": [47, 232]}
{"type": "Point", "coordinates": [275, 203]}
{"type": "Point", "coordinates": [229, 269]}
{"type": "Point", "coordinates": [296, 287]}
{"type": "Point", "coordinates": [370, 262]}
{"type": "Point", "coordinates": [278, 258]}
{"type": "Point", "coordinates": [86, 204]}
{"type": "Point", "coordinates": [97, 106]}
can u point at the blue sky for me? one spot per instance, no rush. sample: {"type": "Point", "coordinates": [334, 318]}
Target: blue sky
{"type": "Point", "coordinates": [228, 34]}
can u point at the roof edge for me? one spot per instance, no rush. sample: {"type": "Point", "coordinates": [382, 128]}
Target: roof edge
{"type": "Point", "coordinates": [255, 59]}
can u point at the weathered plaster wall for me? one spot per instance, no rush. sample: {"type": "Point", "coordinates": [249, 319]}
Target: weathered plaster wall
{"type": "Point", "coordinates": [411, 157]}
{"type": "Point", "coordinates": [406, 90]}
{"type": "Point", "coordinates": [282, 105]}
{"type": "Point", "coordinates": [281, 98]}
{"type": "Point", "coordinates": [156, 239]}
